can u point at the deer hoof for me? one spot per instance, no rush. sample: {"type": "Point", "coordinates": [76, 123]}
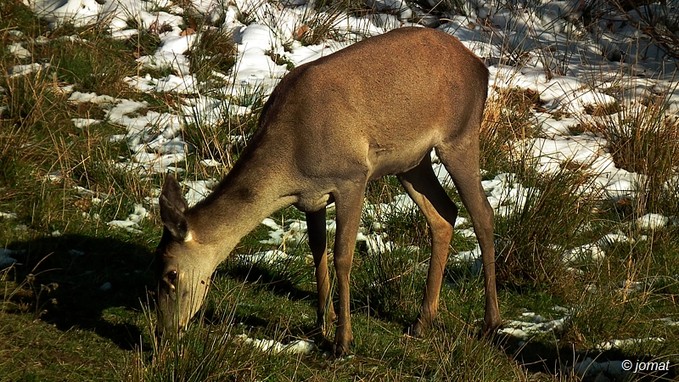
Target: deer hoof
{"type": "Point", "coordinates": [341, 347]}
{"type": "Point", "coordinates": [491, 324]}
{"type": "Point", "coordinates": [418, 328]}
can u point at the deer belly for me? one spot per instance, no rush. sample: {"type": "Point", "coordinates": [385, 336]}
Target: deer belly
{"type": "Point", "coordinates": [385, 161]}
{"type": "Point", "coordinates": [313, 202]}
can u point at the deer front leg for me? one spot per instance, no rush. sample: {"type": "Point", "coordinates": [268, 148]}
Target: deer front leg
{"type": "Point", "coordinates": [348, 206]}
{"type": "Point", "coordinates": [325, 313]}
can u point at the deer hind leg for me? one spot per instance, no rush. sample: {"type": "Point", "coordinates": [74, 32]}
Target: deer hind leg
{"type": "Point", "coordinates": [462, 162]}
{"type": "Point", "coordinates": [348, 204]}
{"type": "Point", "coordinates": [440, 212]}
{"type": "Point", "coordinates": [325, 314]}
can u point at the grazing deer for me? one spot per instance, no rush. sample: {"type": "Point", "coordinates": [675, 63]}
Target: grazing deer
{"type": "Point", "coordinates": [377, 107]}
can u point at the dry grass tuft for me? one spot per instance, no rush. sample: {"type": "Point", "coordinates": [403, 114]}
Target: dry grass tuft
{"type": "Point", "coordinates": [508, 117]}
{"type": "Point", "coordinates": [644, 139]}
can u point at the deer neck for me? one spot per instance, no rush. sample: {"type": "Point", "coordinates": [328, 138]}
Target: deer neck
{"type": "Point", "coordinates": [254, 189]}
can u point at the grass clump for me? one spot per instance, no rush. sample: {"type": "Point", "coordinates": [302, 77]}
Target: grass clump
{"type": "Point", "coordinates": [508, 117]}
{"type": "Point", "coordinates": [17, 16]}
{"type": "Point", "coordinates": [645, 139]}
{"type": "Point", "coordinates": [214, 51]}
{"type": "Point", "coordinates": [635, 286]}
{"type": "Point", "coordinates": [657, 20]}
{"type": "Point", "coordinates": [199, 355]}
{"type": "Point", "coordinates": [550, 217]}
{"type": "Point", "coordinates": [223, 139]}
{"type": "Point", "coordinates": [390, 284]}
{"type": "Point", "coordinates": [89, 59]}
{"type": "Point", "coordinates": [319, 26]}
{"type": "Point", "coordinates": [53, 169]}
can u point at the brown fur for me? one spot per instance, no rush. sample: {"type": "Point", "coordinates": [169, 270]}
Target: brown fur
{"type": "Point", "coordinates": [377, 107]}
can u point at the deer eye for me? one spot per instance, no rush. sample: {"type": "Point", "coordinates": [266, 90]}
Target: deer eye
{"type": "Point", "coordinates": [171, 277]}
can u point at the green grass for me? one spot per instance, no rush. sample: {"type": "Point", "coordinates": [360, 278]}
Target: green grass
{"type": "Point", "coordinates": [75, 306]}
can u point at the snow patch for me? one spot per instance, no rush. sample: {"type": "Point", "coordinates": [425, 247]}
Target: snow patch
{"type": "Point", "coordinates": [652, 222]}
{"type": "Point", "coordinates": [275, 347]}
{"type": "Point", "coordinates": [532, 324]}
{"type": "Point", "coordinates": [131, 224]}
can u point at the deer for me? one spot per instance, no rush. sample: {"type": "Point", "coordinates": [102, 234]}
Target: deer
{"type": "Point", "coordinates": [375, 108]}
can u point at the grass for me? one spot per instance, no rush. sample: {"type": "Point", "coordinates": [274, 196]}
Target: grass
{"type": "Point", "coordinates": [643, 139]}
{"type": "Point", "coordinates": [215, 51]}
{"type": "Point", "coordinates": [554, 216]}
{"type": "Point", "coordinates": [74, 307]}
{"type": "Point", "coordinates": [507, 118]}
{"type": "Point", "coordinates": [660, 23]}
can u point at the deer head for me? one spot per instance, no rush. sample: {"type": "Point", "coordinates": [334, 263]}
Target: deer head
{"type": "Point", "coordinates": [185, 264]}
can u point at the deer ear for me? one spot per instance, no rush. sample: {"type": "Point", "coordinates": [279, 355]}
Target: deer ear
{"type": "Point", "coordinates": [172, 209]}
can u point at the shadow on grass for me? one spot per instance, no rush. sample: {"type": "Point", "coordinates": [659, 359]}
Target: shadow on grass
{"type": "Point", "coordinates": [85, 282]}
{"type": "Point", "coordinates": [590, 365]}
{"type": "Point", "coordinates": [284, 280]}
{"type": "Point", "coordinates": [555, 359]}
{"type": "Point", "coordinates": [279, 279]}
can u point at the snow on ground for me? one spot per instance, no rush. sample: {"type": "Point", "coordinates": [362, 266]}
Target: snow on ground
{"type": "Point", "coordinates": [294, 347]}
{"type": "Point", "coordinates": [532, 324]}
{"type": "Point", "coordinates": [542, 48]}
{"type": "Point", "coordinates": [270, 257]}
{"type": "Point", "coordinates": [132, 222]}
